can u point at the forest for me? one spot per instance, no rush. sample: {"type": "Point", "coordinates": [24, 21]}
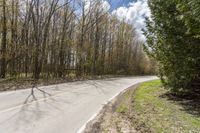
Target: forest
{"type": "Point", "coordinates": [54, 39]}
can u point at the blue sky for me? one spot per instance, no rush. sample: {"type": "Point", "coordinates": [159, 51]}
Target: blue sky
{"type": "Point", "coordinates": [132, 11]}
{"type": "Point", "coordinates": [118, 3]}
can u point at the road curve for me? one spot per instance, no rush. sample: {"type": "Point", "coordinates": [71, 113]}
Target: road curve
{"type": "Point", "coordinates": [62, 108]}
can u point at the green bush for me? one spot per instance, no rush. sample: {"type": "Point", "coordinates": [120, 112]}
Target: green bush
{"type": "Point", "coordinates": [173, 39]}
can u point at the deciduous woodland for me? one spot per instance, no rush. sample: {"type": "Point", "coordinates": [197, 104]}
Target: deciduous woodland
{"type": "Point", "coordinates": [53, 38]}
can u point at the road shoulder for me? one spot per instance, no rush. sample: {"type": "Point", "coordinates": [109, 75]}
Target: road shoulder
{"type": "Point", "coordinates": [147, 108]}
{"type": "Point", "coordinates": [110, 120]}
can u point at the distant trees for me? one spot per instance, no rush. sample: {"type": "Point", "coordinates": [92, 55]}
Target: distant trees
{"type": "Point", "coordinates": [51, 39]}
{"type": "Point", "coordinates": [173, 38]}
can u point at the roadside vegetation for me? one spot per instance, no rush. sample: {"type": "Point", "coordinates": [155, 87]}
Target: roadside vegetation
{"type": "Point", "coordinates": [173, 39]}
{"type": "Point", "coordinates": [161, 111]}
{"type": "Point", "coordinates": [149, 108]}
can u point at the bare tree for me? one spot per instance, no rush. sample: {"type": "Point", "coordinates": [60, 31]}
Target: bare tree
{"type": "Point", "coordinates": [4, 41]}
{"type": "Point", "coordinates": [52, 39]}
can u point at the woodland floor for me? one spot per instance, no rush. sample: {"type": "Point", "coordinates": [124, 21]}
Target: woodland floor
{"type": "Point", "coordinates": [148, 108]}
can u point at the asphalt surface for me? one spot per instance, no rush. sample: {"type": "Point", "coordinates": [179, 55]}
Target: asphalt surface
{"type": "Point", "coordinates": [62, 108]}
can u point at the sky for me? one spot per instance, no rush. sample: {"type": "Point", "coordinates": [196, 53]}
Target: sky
{"type": "Point", "coordinates": [118, 3]}
{"type": "Point", "coordinates": [132, 11]}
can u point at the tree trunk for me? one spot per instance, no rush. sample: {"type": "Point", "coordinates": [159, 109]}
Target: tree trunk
{"type": "Point", "coordinates": [4, 42]}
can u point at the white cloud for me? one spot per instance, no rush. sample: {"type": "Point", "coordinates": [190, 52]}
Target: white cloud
{"type": "Point", "coordinates": [105, 5]}
{"type": "Point", "coordinates": [135, 14]}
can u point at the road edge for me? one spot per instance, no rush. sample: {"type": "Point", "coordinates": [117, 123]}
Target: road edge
{"type": "Point", "coordinates": [82, 129]}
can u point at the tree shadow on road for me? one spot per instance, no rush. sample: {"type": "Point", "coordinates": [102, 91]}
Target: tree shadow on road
{"type": "Point", "coordinates": [32, 94]}
{"type": "Point", "coordinates": [97, 86]}
{"type": "Point", "coordinates": [34, 108]}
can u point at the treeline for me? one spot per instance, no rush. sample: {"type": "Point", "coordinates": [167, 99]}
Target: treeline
{"type": "Point", "coordinates": [174, 40]}
{"type": "Point", "coordinates": [52, 38]}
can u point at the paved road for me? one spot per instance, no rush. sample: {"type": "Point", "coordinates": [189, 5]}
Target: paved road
{"type": "Point", "coordinates": [63, 108]}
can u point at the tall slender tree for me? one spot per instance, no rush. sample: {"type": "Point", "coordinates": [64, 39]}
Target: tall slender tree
{"type": "Point", "coordinates": [4, 41]}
